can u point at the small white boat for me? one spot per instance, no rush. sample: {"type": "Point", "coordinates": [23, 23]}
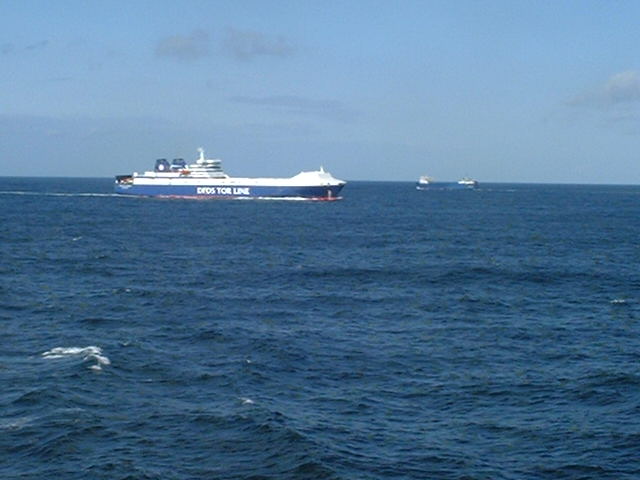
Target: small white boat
{"type": "Point", "coordinates": [468, 182]}
{"type": "Point", "coordinates": [428, 183]}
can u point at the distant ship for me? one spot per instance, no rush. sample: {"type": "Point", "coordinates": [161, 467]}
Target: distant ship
{"type": "Point", "coordinates": [205, 179]}
{"type": "Point", "coordinates": [428, 183]}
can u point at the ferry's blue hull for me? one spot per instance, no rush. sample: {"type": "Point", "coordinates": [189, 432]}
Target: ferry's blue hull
{"type": "Point", "coordinates": [324, 192]}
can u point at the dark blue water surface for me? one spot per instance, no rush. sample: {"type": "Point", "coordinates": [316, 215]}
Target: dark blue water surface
{"type": "Point", "coordinates": [396, 334]}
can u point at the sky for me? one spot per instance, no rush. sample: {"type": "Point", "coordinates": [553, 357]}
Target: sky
{"type": "Point", "coordinates": [503, 91]}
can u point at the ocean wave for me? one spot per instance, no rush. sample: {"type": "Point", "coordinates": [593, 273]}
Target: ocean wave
{"type": "Point", "coordinates": [58, 194]}
{"type": "Point", "coordinates": [458, 337]}
{"type": "Point", "coordinates": [88, 354]}
{"type": "Point", "coordinates": [15, 423]}
{"type": "Point", "coordinates": [619, 301]}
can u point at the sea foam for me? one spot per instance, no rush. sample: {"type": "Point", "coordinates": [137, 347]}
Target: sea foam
{"type": "Point", "coordinates": [90, 353]}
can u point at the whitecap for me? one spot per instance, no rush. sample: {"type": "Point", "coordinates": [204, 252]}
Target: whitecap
{"type": "Point", "coordinates": [246, 401]}
{"type": "Point", "coordinates": [15, 424]}
{"type": "Point", "coordinates": [88, 354]}
{"type": "Point", "coordinates": [618, 301]}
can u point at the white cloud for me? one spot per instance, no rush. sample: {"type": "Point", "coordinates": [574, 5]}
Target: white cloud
{"type": "Point", "coordinates": [184, 47]}
{"type": "Point", "coordinates": [247, 44]}
{"type": "Point", "coordinates": [621, 89]}
{"type": "Point", "coordinates": [38, 45]}
{"type": "Point", "coordinates": [7, 48]}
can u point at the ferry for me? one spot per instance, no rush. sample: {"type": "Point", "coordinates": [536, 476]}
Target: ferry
{"type": "Point", "coordinates": [427, 183]}
{"type": "Point", "coordinates": [205, 179]}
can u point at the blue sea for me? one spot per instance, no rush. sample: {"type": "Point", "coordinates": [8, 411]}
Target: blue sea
{"type": "Point", "coordinates": [395, 334]}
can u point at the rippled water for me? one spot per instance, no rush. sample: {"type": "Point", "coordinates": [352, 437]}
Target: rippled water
{"type": "Point", "coordinates": [397, 334]}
